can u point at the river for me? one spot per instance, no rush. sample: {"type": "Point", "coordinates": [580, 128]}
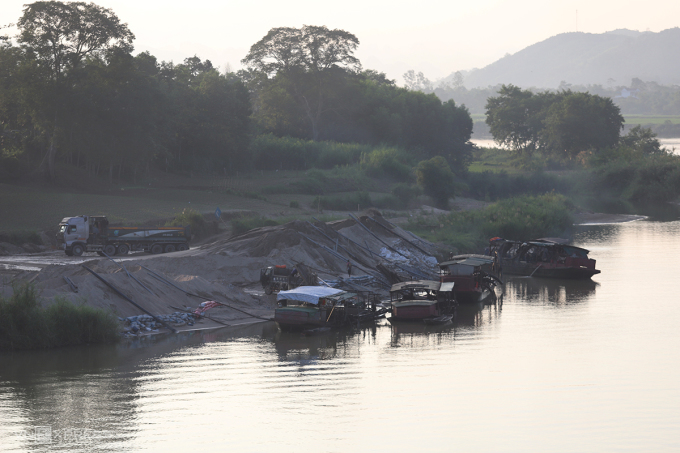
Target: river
{"type": "Point", "coordinates": [672, 144]}
{"type": "Point", "coordinates": [560, 366]}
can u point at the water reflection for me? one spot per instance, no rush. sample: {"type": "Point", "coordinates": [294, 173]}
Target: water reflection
{"type": "Point", "coordinates": [560, 365]}
{"type": "Point", "coordinates": [549, 291]}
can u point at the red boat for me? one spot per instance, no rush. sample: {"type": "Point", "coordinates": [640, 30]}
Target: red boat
{"type": "Point", "coordinates": [473, 276]}
{"type": "Point", "coordinates": [549, 258]}
{"type": "Point", "coordinates": [421, 299]}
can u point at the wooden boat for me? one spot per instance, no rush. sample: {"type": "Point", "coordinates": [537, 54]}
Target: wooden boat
{"type": "Point", "coordinates": [310, 307]}
{"type": "Point", "coordinates": [307, 307]}
{"type": "Point", "coordinates": [474, 277]}
{"type": "Point", "coordinates": [546, 258]}
{"type": "Point", "coordinates": [420, 299]}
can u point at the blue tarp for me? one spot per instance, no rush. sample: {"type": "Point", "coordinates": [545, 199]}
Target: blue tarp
{"type": "Point", "coordinates": [309, 294]}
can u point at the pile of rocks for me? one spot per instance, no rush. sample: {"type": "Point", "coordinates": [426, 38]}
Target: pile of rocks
{"type": "Point", "coordinates": [136, 325]}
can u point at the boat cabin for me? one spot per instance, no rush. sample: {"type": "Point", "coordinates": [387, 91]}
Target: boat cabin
{"type": "Point", "coordinates": [473, 275]}
{"type": "Point", "coordinates": [549, 257]}
{"type": "Point", "coordinates": [421, 299]}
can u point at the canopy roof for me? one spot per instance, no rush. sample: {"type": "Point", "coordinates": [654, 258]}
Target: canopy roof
{"type": "Point", "coordinates": [546, 243]}
{"type": "Point", "coordinates": [416, 284]}
{"type": "Point", "coordinates": [309, 294]}
{"type": "Point", "coordinates": [468, 260]}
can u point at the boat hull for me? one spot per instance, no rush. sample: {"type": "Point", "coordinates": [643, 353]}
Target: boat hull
{"type": "Point", "coordinates": [549, 270]}
{"type": "Point", "coordinates": [414, 310]}
{"type": "Point", "coordinates": [294, 318]}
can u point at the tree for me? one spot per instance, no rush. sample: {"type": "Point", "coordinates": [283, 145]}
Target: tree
{"type": "Point", "coordinates": [60, 35]}
{"type": "Point", "coordinates": [642, 140]}
{"type": "Point", "coordinates": [437, 180]}
{"type": "Point", "coordinates": [417, 82]}
{"type": "Point", "coordinates": [305, 62]}
{"type": "Point", "coordinates": [578, 122]}
{"type": "Point", "coordinates": [561, 124]}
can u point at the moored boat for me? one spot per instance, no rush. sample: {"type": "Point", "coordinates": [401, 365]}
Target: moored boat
{"type": "Point", "coordinates": [547, 258]}
{"type": "Point", "coordinates": [310, 307]}
{"type": "Point", "coordinates": [473, 276]}
{"type": "Point", "coordinates": [420, 299]}
{"type": "Point", "coordinates": [307, 307]}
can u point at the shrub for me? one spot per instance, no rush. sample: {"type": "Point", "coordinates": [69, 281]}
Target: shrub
{"type": "Point", "coordinates": [288, 153]}
{"type": "Point", "coordinates": [520, 218]}
{"type": "Point", "coordinates": [294, 204]}
{"type": "Point", "coordinates": [193, 219]}
{"type": "Point", "coordinates": [495, 186]}
{"type": "Point", "coordinates": [24, 324]}
{"type": "Point", "coordinates": [384, 161]}
{"type": "Point", "coordinates": [437, 180]}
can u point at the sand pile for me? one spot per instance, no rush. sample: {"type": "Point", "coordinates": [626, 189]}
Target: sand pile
{"type": "Point", "coordinates": [228, 269]}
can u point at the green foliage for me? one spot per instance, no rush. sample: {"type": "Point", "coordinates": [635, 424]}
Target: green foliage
{"type": "Point", "coordinates": [384, 161]}
{"type": "Point", "coordinates": [194, 219]}
{"type": "Point", "coordinates": [520, 218]}
{"type": "Point", "coordinates": [24, 324]}
{"type": "Point", "coordinates": [655, 178]}
{"type": "Point", "coordinates": [288, 153]}
{"type": "Point", "coordinates": [493, 186]}
{"type": "Point", "coordinates": [294, 204]}
{"type": "Point", "coordinates": [296, 94]}
{"type": "Point", "coordinates": [245, 224]}
{"type": "Point", "coordinates": [562, 124]}
{"type": "Point", "coordinates": [437, 180]}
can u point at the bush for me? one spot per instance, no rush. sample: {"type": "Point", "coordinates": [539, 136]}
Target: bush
{"type": "Point", "coordinates": [655, 178]}
{"type": "Point", "coordinates": [384, 161]}
{"type": "Point", "coordinates": [245, 224]}
{"type": "Point", "coordinates": [520, 218]}
{"type": "Point", "coordinates": [493, 186]}
{"type": "Point", "coordinates": [288, 153]}
{"type": "Point", "coordinates": [437, 180]}
{"type": "Point", "coordinates": [24, 324]}
{"type": "Point", "coordinates": [193, 219]}
{"type": "Point", "coordinates": [294, 204]}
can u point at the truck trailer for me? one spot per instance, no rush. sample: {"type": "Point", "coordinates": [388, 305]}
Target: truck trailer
{"type": "Point", "coordinates": [86, 233]}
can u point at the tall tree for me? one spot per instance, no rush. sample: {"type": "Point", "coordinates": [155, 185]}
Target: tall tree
{"type": "Point", "coordinates": [304, 62]}
{"type": "Point", "coordinates": [61, 35]}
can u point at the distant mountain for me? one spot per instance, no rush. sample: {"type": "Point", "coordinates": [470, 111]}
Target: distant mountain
{"type": "Point", "coordinates": [615, 57]}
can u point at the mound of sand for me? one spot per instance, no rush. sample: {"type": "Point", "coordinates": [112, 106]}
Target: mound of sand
{"type": "Point", "coordinates": [227, 270]}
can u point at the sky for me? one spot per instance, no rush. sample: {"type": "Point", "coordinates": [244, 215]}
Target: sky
{"type": "Point", "coordinates": [437, 37]}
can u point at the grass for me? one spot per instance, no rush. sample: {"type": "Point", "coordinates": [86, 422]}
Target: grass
{"type": "Point", "coordinates": [25, 324]}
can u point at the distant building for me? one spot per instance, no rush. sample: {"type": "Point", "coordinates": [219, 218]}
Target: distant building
{"type": "Point", "coordinates": [626, 93]}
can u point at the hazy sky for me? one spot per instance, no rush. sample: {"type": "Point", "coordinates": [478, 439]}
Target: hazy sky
{"type": "Point", "coordinates": [436, 37]}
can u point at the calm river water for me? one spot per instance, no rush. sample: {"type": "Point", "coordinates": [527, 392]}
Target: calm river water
{"type": "Point", "coordinates": [561, 366]}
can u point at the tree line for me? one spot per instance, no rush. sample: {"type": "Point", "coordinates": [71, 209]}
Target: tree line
{"type": "Point", "coordinates": [73, 94]}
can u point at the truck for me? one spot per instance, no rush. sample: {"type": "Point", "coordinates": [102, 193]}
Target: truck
{"type": "Point", "coordinates": [279, 278]}
{"type": "Point", "coordinates": [88, 233]}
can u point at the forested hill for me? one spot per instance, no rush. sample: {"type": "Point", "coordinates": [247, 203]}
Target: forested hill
{"type": "Point", "coordinates": [613, 58]}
